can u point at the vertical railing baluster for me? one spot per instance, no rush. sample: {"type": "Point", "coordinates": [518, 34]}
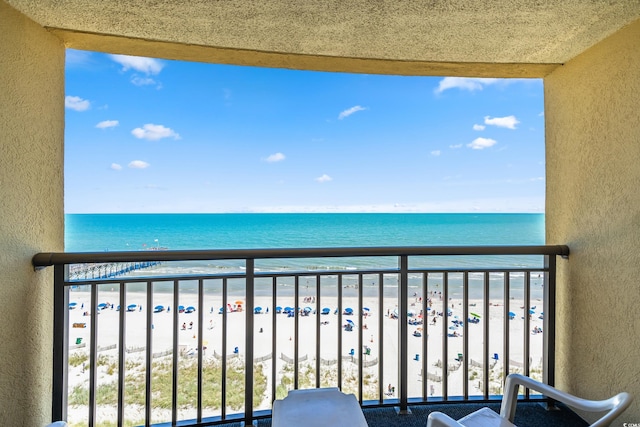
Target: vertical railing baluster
{"type": "Point", "coordinates": [274, 334]}
{"type": "Point", "coordinates": [527, 327]}
{"type": "Point", "coordinates": [485, 350]}
{"type": "Point", "coordinates": [318, 341]}
{"type": "Point", "coordinates": [403, 329]}
{"type": "Point", "coordinates": [379, 337]}
{"type": "Point", "coordinates": [122, 343]}
{"type": "Point", "coordinates": [60, 343]}
{"type": "Point", "coordinates": [549, 320]}
{"type": "Point", "coordinates": [149, 353]}
{"type": "Point", "coordinates": [425, 337]}
{"type": "Point", "coordinates": [223, 382]}
{"type": "Point", "coordinates": [360, 332]}
{"type": "Point", "coordinates": [93, 353]}
{"type": "Point", "coordinates": [339, 326]}
{"type": "Point", "coordinates": [445, 340]}
{"type": "Point", "coordinates": [176, 354]}
{"type": "Point", "coordinates": [506, 277]}
{"type": "Point", "coordinates": [296, 338]}
{"type": "Point", "coordinates": [465, 333]}
{"type": "Point", "coordinates": [249, 318]}
{"type": "Point", "coordinates": [200, 347]}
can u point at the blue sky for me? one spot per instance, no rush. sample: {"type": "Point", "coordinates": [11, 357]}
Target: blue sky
{"type": "Point", "coordinates": [149, 135]}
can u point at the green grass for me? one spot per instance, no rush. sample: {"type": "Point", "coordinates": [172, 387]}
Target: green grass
{"type": "Point", "coordinates": [187, 387]}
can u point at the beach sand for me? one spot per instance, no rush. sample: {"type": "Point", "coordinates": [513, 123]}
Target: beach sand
{"type": "Point", "coordinates": [330, 333]}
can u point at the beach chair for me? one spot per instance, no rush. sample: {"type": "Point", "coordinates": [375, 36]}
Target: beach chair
{"type": "Point", "coordinates": [612, 407]}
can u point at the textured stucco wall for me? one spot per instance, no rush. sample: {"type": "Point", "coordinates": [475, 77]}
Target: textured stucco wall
{"type": "Point", "coordinates": [31, 212]}
{"type": "Point", "coordinates": [592, 108]}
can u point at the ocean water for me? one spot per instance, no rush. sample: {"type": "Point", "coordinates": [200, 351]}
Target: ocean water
{"type": "Point", "coordinates": [123, 232]}
{"type": "Point", "coordinates": [118, 232]}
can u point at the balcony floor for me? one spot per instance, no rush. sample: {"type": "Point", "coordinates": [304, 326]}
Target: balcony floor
{"type": "Point", "coordinates": [527, 415]}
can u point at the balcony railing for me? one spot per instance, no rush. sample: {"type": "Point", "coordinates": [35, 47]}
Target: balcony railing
{"type": "Point", "coordinates": [211, 337]}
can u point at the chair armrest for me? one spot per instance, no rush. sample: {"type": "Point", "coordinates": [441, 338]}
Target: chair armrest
{"type": "Point", "coordinates": [615, 405]}
{"type": "Point", "coordinates": [438, 419]}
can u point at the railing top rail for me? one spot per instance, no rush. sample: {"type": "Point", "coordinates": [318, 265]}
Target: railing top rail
{"type": "Point", "coordinates": [46, 259]}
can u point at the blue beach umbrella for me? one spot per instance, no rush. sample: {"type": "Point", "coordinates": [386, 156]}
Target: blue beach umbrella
{"type": "Point", "coordinates": [326, 310]}
{"type": "Point", "coordinates": [512, 314]}
{"type": "Point", "coordinates": [72, 305]}
{"type": "Point", "coordinates": [257, 310]}
{"type": "Point", "coordinates": [190, 309]}
{"type": "Point", "coordinates": [278, 309]}
{"type": "Point", "coordinates": [348, 310]}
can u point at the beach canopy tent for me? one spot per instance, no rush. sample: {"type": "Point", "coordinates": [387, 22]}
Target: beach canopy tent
{"type": "Point", "coordinates": [326, 310]}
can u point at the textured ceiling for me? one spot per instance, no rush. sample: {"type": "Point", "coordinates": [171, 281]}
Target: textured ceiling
{"type": "Point", "coordinates": [525, 36]}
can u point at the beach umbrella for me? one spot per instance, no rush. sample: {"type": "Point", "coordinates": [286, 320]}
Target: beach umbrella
{"type": "Point", "coordinates": [102, 306]}
{"type": "Point", "coordinates": [365, 309]}
{"type": "Point", "coordinates": [475, 315]}
{"type": "Point", "coordinates": [531, 311]}
{"type": "Point", "coordinates": [307, 309]}
{"type": "Point", "coordinates": [278, 309]}
{"type": "Point", "coordinates": [257, 310]}
{"type": "Point", "coordinates": [239, 303]}
{"type": "Point", "coordinates": [512, 314]}
{"type": "Point", "coordinates": [349, 321]}
{"type": "Point", "coordinates": [72, 305]}
{"type": "Point", "coordinates": [190, 309]}
{"type": "Point", "coordinates": [326, 310]}
{"type": "Point", "coordinates": [348, 310]}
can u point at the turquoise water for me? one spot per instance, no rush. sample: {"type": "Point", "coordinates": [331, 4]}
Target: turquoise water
{"type": "Point", "coordinates": [121, 232]}
{"type": "Point", "coordinates": [106, 232]}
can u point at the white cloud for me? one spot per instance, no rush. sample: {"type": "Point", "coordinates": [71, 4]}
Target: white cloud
{"type": "Point", "coordinates": [149, 66]}
{"type": "Point", "coordinates": [138, 164]}
{"type": "Point", "coordinates": [508, 122]}
{"type": "Point", "coordinates": [478, 127]}
{"type": "Point", "coordinates": [482, 143]}
{"type": "Point", "coordinates": [350, 111]}
{"type": "Point", "coordinates": [116, 167]}
{"type": "Point", "coordinates": [153, 132]}
{"type": "Point", "coordinates": [435, 153]}
{"type": "Point", "coordinates": [76, 103]}
{"type": "Point", "coordinates": [454, 146]}
{"type": "Point", "coordinates": [277, 157]}
{"type": "Point", "coordinates": [107, 124]}
{"type": "Point", "coordinates": [324, 178]}
{"type": "Point", "coordinates": [142, 81]}
{"type": "Point", "coordinates": [464, 83]}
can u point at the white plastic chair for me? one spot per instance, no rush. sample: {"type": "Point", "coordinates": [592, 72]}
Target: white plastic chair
{"type": "Point", "coordinates": [614, 406]}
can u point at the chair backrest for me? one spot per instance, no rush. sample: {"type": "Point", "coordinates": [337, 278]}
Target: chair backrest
{"type": "Point", "coordinates": [614, 406]}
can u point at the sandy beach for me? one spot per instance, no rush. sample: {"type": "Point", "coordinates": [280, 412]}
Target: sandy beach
{"type": "Point", "coordinates": [331, 331]}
